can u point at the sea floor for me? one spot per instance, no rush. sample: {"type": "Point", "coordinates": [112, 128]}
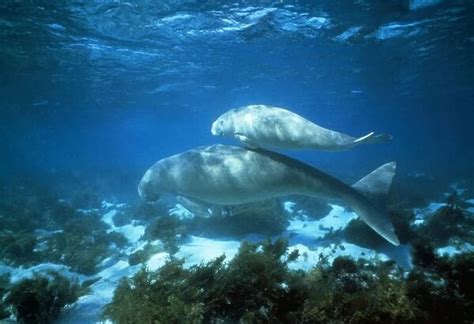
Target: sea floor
{"type": "Point", "coordinates": [306, 234]}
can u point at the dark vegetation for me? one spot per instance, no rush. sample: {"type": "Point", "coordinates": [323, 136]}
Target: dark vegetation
{"type": "Point", "coordinates": [72, 233]}
{"type": "Point", "coordinates": [145, 253]}
{"type": "Point", "coordinates": [4, 285]}
{"type": "Point", "coordinates": [451, 224]}
{"type": "Point", "coordinates": [448, 225]}
{"type": "Point", "coordinates": [18, 248]}
{"type": "Point", "coordinates": [83, 243]}
{"type": "Point", "coordinates": [247, 288]}
{"type": "Point", "coordinates": [41, 298]}
{"type": "Point", "coordinates": [258, 286]}
{"type": "Point", "coordinates": [169, 229]}
{"type": "Point", "coordinates": [442, 287]}
{"type": "Point", "coordinates": [69, 236]}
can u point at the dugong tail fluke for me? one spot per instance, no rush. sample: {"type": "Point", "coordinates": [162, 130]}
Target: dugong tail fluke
{"type": "Point", "coordinates": [375, 187]}
{"type": "Point", "coordinates": [371, 138]}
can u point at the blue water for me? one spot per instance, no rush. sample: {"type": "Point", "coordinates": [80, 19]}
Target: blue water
{"type": "Point", "coordinates": [93, 92]}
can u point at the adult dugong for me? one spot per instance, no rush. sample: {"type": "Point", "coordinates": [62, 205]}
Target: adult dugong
{"type": "Point", "coordinates": [230, 175]}
{"type": "Point", "coordinates": [271, 127]}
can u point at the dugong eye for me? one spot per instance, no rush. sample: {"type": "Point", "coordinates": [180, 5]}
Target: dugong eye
{"type": "Point", "coordinates": [221, 122]}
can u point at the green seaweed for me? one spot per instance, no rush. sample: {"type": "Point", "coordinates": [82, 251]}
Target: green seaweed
{"type": "Point", "coordinates": [442, 287]}
{"type": "Point", "coordinates": [143, 255]}
{"type": "Point", "coordinates": [59, 214]}
{"type": "Point", "coordinates": [4, 286]}
{"type": "Point", "coordinates": [449, 224]}
{"type": "Point", "coordinates": [168, 229]}
{"type": "Point", "coordinates": [357, 292]}
{"type": "Point", "coordinates": [151, 297]}
{"type": "Point", "coordinates": [257, 286]}
{"type": "Point", "coordinates": [83, 244]}
{"type": "Point", "coordinates": [442, 295]}
{"type": "Point", "coordinates": [18, 248]}
{"type": "Point", "coordinates": [41, 299]}
{"type": "Point", "coordinates": [79, 240]}
{"type": "Point", "coordinates": [27, 213]}
{"type": "Point", "coordinates": [18, 216]}
{"type": "Point", "coordinates": [249, 287]}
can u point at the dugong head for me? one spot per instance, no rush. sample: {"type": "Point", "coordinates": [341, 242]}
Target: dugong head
{"type": "Point", "coordinates": [224, 125]}
{"type": "Point", "coordinates": [146, 187]}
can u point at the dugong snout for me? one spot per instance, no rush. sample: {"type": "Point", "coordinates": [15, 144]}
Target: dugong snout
{"type": "Point", "coordinates": [215, 129]}
{"type": "Point", "coordinates": [145, 188]}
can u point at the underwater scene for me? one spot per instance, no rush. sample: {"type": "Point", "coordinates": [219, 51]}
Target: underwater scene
{"type": "Point", "coordinates": [187, 161]}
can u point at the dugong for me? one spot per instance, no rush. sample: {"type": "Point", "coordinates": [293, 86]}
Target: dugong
{"type": "Point", "coordinates": [231, 175]}
{"type": "Point", "coordinates": [271, 127]}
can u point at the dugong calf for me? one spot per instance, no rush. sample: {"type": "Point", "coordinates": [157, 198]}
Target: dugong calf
{"type": "Point", "coordinates": [271, 127]}
{"type": "Point", "coordinates": [231, 175]}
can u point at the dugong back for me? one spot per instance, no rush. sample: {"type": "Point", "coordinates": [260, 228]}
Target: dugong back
{"type": "Point", "coordinates": [224, 175]}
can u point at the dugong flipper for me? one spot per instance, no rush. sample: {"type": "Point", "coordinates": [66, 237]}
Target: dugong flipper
{"type": "Point", "coordinates": [230, 175]}
{"type": "Point", "coordinates": [271, 127]}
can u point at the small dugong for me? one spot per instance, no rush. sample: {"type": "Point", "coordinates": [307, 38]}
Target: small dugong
{"type": "Point", "coordinates": [231, 175]}
{"type": "Point", "coordinates": [272, 127]}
